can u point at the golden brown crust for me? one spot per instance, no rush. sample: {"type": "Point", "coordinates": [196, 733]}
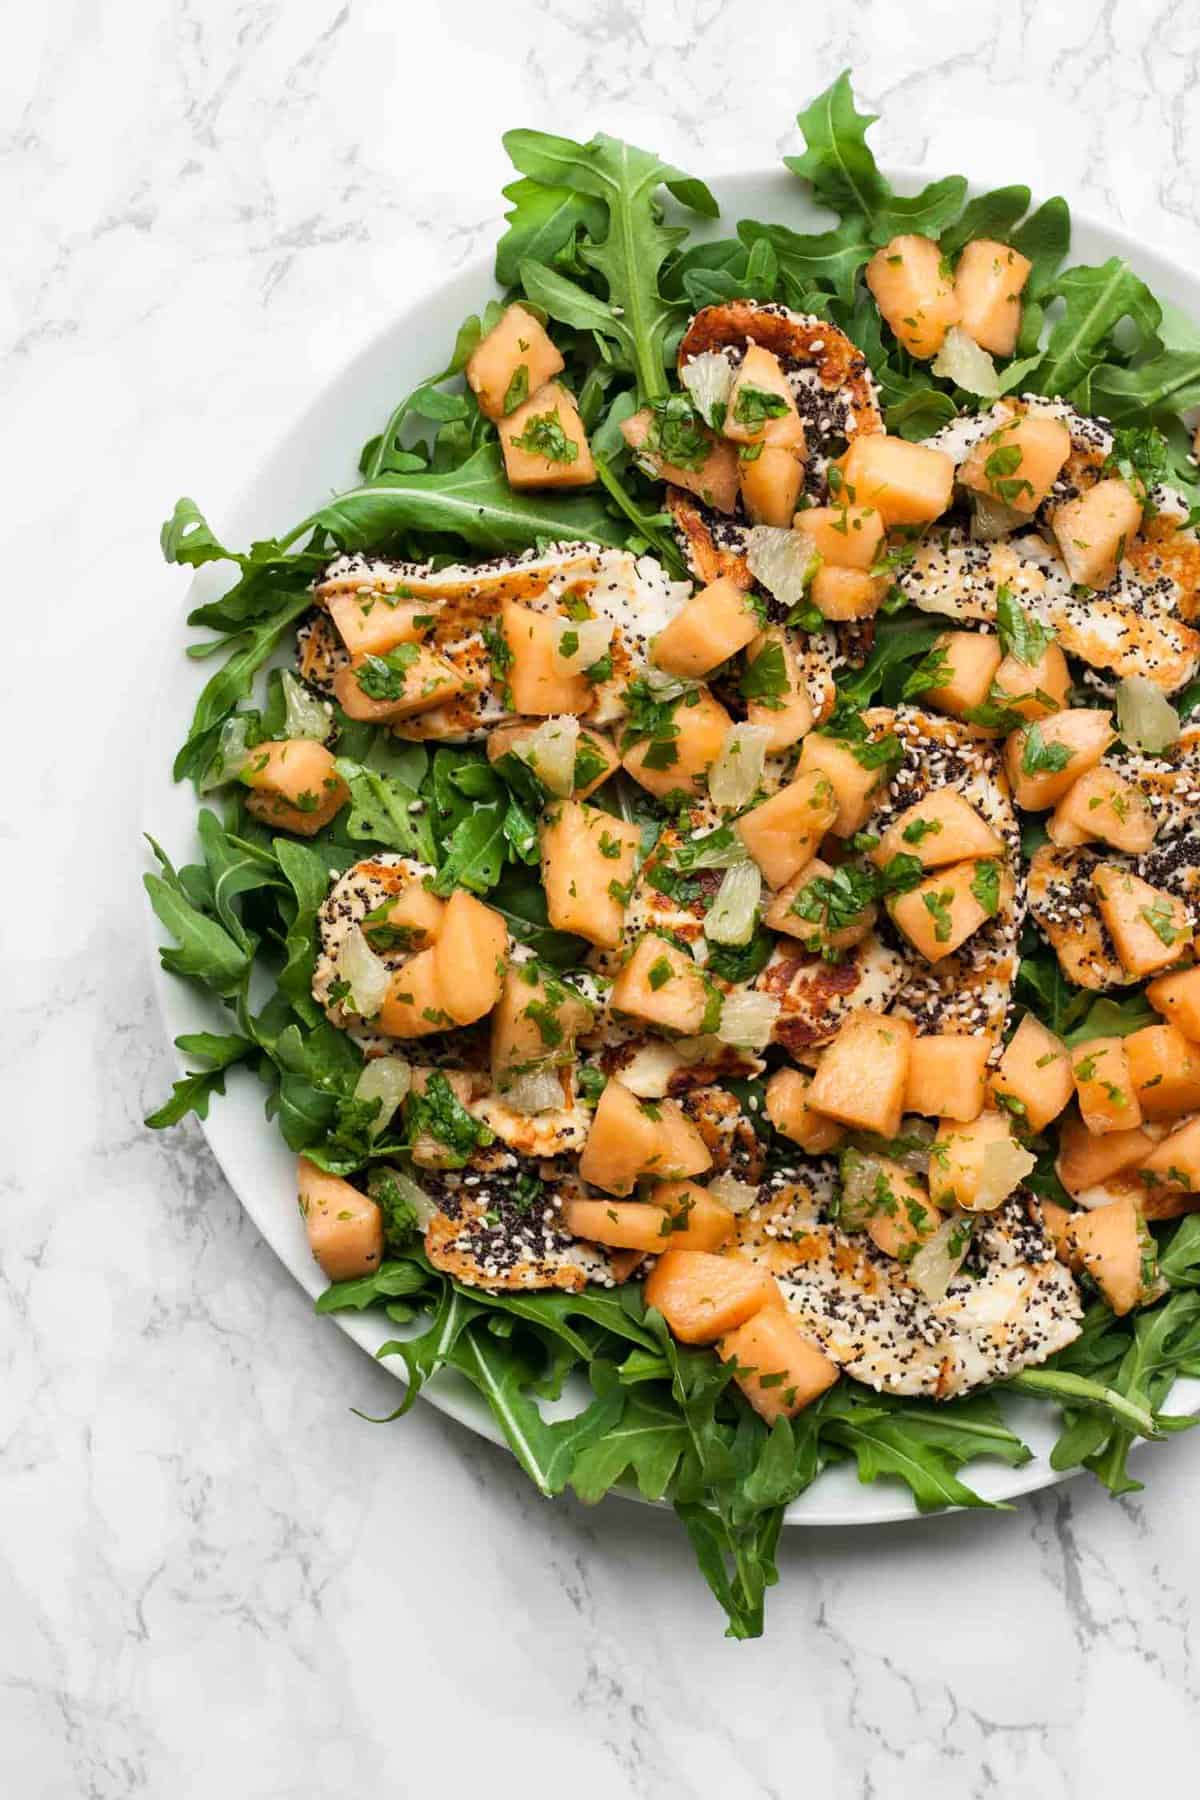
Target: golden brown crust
{"type": "Point", "coordinates": [708, 558]}
{"type": "Point", "coordinates": [793, 337]}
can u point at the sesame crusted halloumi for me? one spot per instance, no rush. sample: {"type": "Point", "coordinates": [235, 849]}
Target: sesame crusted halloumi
{"type": "Point", "coordinates": [815, 995]}
{"type": "Point", "coordinates": [360, 890]}
{"type": "Point", "coordinates": [1063, 904]}
{"type": "Point", "coordinates": [487, 1233]}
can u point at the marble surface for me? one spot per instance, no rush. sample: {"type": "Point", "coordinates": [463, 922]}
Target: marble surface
{"type": "Point", "coordinates": [214, 1578]}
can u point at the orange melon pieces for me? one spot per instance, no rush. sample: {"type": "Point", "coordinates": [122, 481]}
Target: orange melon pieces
{"type": "Point", "coordinates": [1149, 927]}
{"type": "Point", "coordinates": [630, 1139]}
{"type": "Point", "coordinates": [544, 442]}
{"type": "Point", "coordinates": [1033, 1078]}
{"type": "Point", "coordinates": [946, 1076]}
{"type": "Point", "coordinates": [514, 360]}
{"type": "Point", "coordinates": [914, 290]}
{"type": "Point", "coordinates": [988, 284]}
{"type": "Point", "coordinates": [1019, 463]}
{"type": "Point", "coordinates": [861, 1077]}
{"type": "Point", "coordinates": [1103, 1086]}
{"type": "Point", "coordinates": [294, 786]}
{"type": "Point", "coordinates": [344, 1227]}
{"type": "Point", "coordinates": [588, 861]}
{"type": "Point", "coordinates": [1045, 758]}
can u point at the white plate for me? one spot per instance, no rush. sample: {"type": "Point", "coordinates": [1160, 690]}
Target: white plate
{"type": "Point", "coordinates": [316, 458]}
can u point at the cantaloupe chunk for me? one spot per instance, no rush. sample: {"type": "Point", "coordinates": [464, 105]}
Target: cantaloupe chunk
{"type": "Point", "coordinates": [1043, 760]}
{"type": "Point", "coordinates": [413, 1006]}
{"type": "Point", "coordinates": [862, 1075]}
{"type": "Point", "coordinates": [413, 921]}
{"type": "Point", "coordinates": [770, 484]}
{"type": "Point", "coordinates": [1104, 1086]}
{"type": "Point", "coordinates": [514, 360]}
{"type": "Point", "coordinates": [1174, 1164]}
{"type": "Point", "coordinates": [1033, 691]}
{"type": "Point", "coordinates": [371, 624]}
{"type": "Point", "coordinates": [943, 911]}
{"type": "Point", "coordinates": [938, 829]}
{"type": "Point", "coordinates": [679, 764]}
{"type": "Point", "coordinates": [858, 789]}
{"type": "Point", "coordinates": [544, 442]}
{"type": "Point", "coordinates": [1056, 1220]}
{"type": "Point", "coordinates": [845, 537]}
{"type": "Point", "coordinates": [1033, 1077]}
{"type": "Point", "coordinates": [971, 659]}
{"type": "Point", "coordinates": [1149, 927]}
{"type": "Point", "coordinates": [295, 786]}
{"type": "Point", "coordinates": [977, 1164]}
{"type": "Point", "coordinates": [786, 716]}
{"type": "Point", "coordinates": [946, 1075]}
{"type": "Point", "coordinates": [697, 1221]}
{"type": "Point", "coordinates": [840, 594]}
{"type": "Point", "coordinates": [588, 860]}
{"type": "Point", "coordinates": [714, 479]}
{"type": "Point", "coordinates": [792, 1116]}
{"type": "Point", "coordinates": [469, 957]}
{"type": "Point", "coordinates": [1164, 1068]}
{"type": "Point", "coordinates": [708, 629]}
{"type": "Point", "coordinates": [631, 1138]}
{"type": "Point", "coordinates": [1177, 998]}
{"type": "Point", "coordinates": [1109, 1243]}
{"type": "Point", "coordinates": [345, 1228]}
{"type": "Point", "coordinates": [1019, 463]}
{"type": "Point", "coordinates": [702, 1296]}
{"type": "Point", "coordinates": [908, 484]}
{"type": "Point", "coordinates": [804, 906]}
{"type": "Point", "coordinates": [782, 833]}
{"type": "Point", "coordinates": [988, 283]}
{"type": "Point", "coordinates": [903, 1216]}
{"type": "Point", "coordinates": [1093, 531]}
{"type": "Point", "coordinates": [662, 985]}
{"type": "Point", "coordinates": [377, 690]}
{"type": "Point", "coordinates": [1103, 805]}
{"type": "Point", "coordinates": [1085, 1161]}
{"type": "Point", "coordinates": [623, 1224]}
{"type": "Point", "coordinates": [535, 675]}
{"type": "Point", "coordinates": [535, 1023]}
{"type": "Point", "coordinates": [779, 1370]}
{"type": "Point", "coordinates": [595, 757]}
{"type": "Point", "coordinates": [914, 290]}
{"type": "Point", "coordinates": [760, 409]}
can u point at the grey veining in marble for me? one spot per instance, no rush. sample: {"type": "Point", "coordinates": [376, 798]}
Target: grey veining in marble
{"type": "Point", "coordinates": [214, 1579]}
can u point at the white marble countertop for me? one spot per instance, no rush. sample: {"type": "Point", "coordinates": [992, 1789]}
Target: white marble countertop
{"type": "Point", "coordinates": [214, 1579]}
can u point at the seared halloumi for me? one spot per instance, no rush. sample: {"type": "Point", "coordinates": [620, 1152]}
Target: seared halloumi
{"type": "Point", "coordinates": [487, 1232]}
{"type": "Point", "coordinates": [360, 890]}
{"type": "Point", "coordinates": [1012, 1305]}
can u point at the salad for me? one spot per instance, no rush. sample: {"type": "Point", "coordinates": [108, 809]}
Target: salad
{"type": "Point", "coordinates": [698, 845]}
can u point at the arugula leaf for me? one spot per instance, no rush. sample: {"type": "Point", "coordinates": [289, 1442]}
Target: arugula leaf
{"type": "Point", "coordinates": [203, 951]}
{"type": "Point", "coordinates": [831, 259]}
{"type": "Point", "coordinates": [248, 651]}
{"type": "Point", "coordinates": [384, 454]}
{"type": "Point", "coordinates": [992, 215]}
{"type": "Point", "coordinates": [1095, 301]}
{"type": "Point", "coordinates": [1107, 1017]}
{"type": "Point", "coordinates": [922, 411]}
{"type": "Point", "coordinates": [541, 222]}
{"type": "Point", "coordinates": [475, 852]}
{"type": "Point", "coordinates": [1179, 1261]}
{"type": "Point", "coordinates": [921, 1446]}
{"type": "Point", "coordinates": [388, 1282]}
{"type": "Point", "coordinates": [386, 810]}
{"type": "Point", "coordinates": [194, 1092]}
{"type": "Point", "coordinates": [1169, 381]}
{"type": "Point", "coordinates": [647, 1444]}
{"type": "Point", "coordinates": [307, 873]}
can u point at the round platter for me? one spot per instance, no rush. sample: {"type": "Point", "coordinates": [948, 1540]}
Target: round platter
{"type": "Point", "coordinates": [316, 457]}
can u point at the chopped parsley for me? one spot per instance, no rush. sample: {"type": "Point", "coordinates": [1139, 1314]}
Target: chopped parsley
{"type": "Point", "coordinates": [384, 677]}
{"type": "Point", "coordinates": [985, 885]}
{"type": "Point", "coordinates": [660, 972]}
{"type": "Point", "coordinates": [1000, 473]}
{"type": "Point", "coordinates": [938, 905]}
{"type": "Point", "coordinates": [766, 679]}
{"type": "Point", "coordinates": [1040, 758]}
{"type": "Point", "coordinates": [754, 406]}
{"type": "Point", "coordinates": [920, 829]}
{"type": "Point", "coordinates": [544, 436]}
{"type": "Point", "coordinates": [517, 391]}
{"type": "Point", "coordinates": [1021, 636]}
{"type": "Point", "coordinates": [1161, 920]}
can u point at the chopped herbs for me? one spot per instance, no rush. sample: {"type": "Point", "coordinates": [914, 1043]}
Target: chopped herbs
{"type": "Point", "coordinates": [544, 436]}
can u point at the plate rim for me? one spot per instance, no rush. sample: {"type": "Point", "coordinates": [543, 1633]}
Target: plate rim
{"type": "Point", "coordinates": [875, 1503]}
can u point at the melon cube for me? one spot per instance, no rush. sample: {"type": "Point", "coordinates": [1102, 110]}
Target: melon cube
{"type": "Point", "coordinates": [777, 1368]}
{"type": "Point", "coordinates": [1093, 531]}
{"type": "Point", "coordinates": [514, 360]}
{"type": "Point", "coordinates": [914, 290]}
{"type": "Point", "coordinates": [1103, 805]}
{"type": "Point", "coordinates": [845, 537]}
{"type": "Point", "coordinates": [786, 716]}
{"type": "Point", "coordinates": [696, 1221]}
{"type": "Point", "coordinates": [840, 594]}
{"type": "Point", "coordinates": [908, 484]}
{"type": "Point", "coordinates": [413, 921]}
{"type": "Point", "coordinates": [902, 1214]}
{"type": "Point", "coordinates": [782, 833]}
{"type": "Point", "coordinates": [1033, 691]}
{"type": "Point", "coordinates": [977, 1164]}
{"type": "Point", "coordinates": [708, 629]}
{"type": "Point", "coordinates": [1110, 1243]}
{"type": "Point", "coordinates": [946, 1075]}
{"type": "Point", "coordinates": [790, 1113]}
{"type": "Point", "coordinates": [621, 1224]}
{"type": "Point", "coordinates": [1149, 927]}
{"type": "Point", "coordinates": [378, 690]}
{"type": "Point", "coordinates": [770, 484]}
{"type": "Point", "coordinates": [1056, 1219]}
{"type": "Point", "coordinates": [622, 1143]}
{"type": "Point", "coordinates": [544, 442]}
{"type": "Point", "coordinates": [295, 786]}
{"type": "Point", "coordinates": [1086, 1161]}
{"type": "Point", "coordinates": [715, 478]}
{"type": "Point", "coordinates": [681, 1150]}
{"type": "Point", "coordinates": [702, 1296]}
{"type": "Point", "coordinates": [760, 407]}
{"type": "Point", "coordinates": [970, 659]}
{"type": "Point", "coordinates": [810, 904]}
{"type": "Point", "coordinates": [1033, 1078]}
{"type": "Point", "coordinates": [1164, 1068]}
{"type": "Point", "coordinates": [1019, 463]}
{"type": "Point", "coordinates": [371, 624]}
{"type": "Point", "coordinates": [862, 1075]}
{"type": "Point", "coordinates": [938, 829]}
{"type": "Point", "coordinates": [1177, 998]}
{"type": "Point", "coordinates": [1175, 1162]}
{"type": "Point", "coordinates": [469, 957]}
{"type": "Point", "coordinates": [988, 283]}
{"type": "Point", "coordinates": [588, 863]}
{"type": "Point", "coordinates": [663, 986]}
{"type": "Point", "coordinates": [938, 916]}
{"type": "Point", "coordinates": [856, 787]}
{"type": "Point", "coordinates": [344, 1227]}
{"type": "Point", "coordinates": [1044, 759]}
{"type": "Point", "coordinates": [595, 757]}
{"type": "Point", "coordinates": [413, 1006]}
{"type": "Point", "coordinates": [1104, 1086]}
{"type": "Point", "coordinates": [535, 677]}
{"type": "Point", "coordinates": [678, 764]}
{"type": "Point", "coordinates": [535, 1023]}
